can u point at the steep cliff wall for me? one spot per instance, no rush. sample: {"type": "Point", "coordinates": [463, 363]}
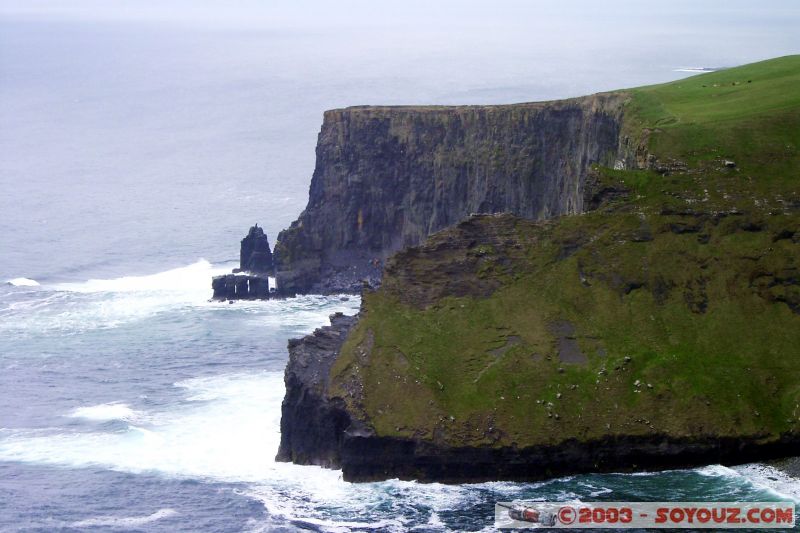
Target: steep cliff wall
{"type": "Point", "coordinates": [659, 328]}
{"type": "Point", "coordinates": [312, 425]}
{"type": "Point", "coordinates": [387, 177]}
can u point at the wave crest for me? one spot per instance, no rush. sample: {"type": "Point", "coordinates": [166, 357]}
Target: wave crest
{"type": "Point", "coordinates": [105, 412]}
{"type": "Point", "coordinates": [23, 282]}
{"type": "Point", "coordinates": [191, 277]}
{"type": "Point", "coordinates": [125, 521]}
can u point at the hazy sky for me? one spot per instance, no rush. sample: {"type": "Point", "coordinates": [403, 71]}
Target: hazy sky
{"type": "Point", "coordinates": [508, 41]}
{"type": "Point", "coordinates": [442, 13]}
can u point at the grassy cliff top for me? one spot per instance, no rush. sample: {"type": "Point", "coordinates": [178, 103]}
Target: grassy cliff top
{"type": "Point", "coordinates": [673, 308]}
{"type": "Point", "coordinates": [748, 114]}
{"type": "Point", "coordinates": [745, 113]}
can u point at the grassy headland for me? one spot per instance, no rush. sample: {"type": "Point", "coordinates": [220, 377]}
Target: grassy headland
{"type": "Point", "coordinates": [672, 308]}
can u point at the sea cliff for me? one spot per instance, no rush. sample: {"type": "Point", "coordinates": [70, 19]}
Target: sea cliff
{"type": "Point", "coordinates": [387, 177]}
{"type": "Point", "coordinates": [650, 321]}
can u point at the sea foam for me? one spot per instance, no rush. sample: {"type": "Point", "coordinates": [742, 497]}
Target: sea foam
{"type": "Point", "coordinates": [774, 481]}
{"type": "Point", "coordinates": [196, 276]}
{"type": "Point", "coordinates": [105, 412]}
{"type": "Point", "coordinates": [125, 521]}
{"type": "Point", "coordinates": [111, 303]}
{"type": "Point", "coordinates": [23, 282]}
{"type": "Point", "coordinates": [225, 429]}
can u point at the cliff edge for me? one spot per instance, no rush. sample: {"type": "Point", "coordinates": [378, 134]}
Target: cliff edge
{"type": "Point", "coordinates": [658, 329]}
{"type": "Point", "coordinates": [387, 177]}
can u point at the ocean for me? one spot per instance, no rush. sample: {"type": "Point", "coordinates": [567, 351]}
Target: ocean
{"type": "Point", "coordinates": [139, 141]}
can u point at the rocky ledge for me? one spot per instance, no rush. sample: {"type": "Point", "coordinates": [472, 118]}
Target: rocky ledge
{"type": "Point", "coordinates": [366, 459]}
{"type": "Point", "coordinates": [240, 286]}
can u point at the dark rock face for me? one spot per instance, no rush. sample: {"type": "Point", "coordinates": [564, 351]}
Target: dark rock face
{"type": "Point", "coordinates": [312, 425]}
{"type": "Point", "coordinates": [387, 177]}
{"type": "Point", "coordinates": [419, 276]}
{"type": "Point", "coordinates": [255, 255]}
{"type": "Point", "coordinates": [251, 280]}
{"type": "Point", "coordinates": [371, 458]}
{"type": "Point", "coordinates": [240, 287]}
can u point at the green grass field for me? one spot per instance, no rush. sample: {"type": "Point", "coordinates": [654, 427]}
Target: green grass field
{"type": "Point", "coordinates": [748, 114]}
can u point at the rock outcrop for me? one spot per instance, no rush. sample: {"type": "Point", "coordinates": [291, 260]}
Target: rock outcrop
{"type": "Point", "coordinates": [251, 280]}
{"type": "Point", "coordinates": [387, 177]}
{"type": "Point", "coordinates": [240, 287]}
{"type": "Point", "coordinates": [255, 255]}
{"type": "Point", "coordinates": [313, 425]}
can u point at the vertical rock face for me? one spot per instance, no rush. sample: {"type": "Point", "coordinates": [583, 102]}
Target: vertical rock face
{"type": "Point", "coordinates": [313, 425]}
{"type": "Point", "coordinates": [387, 177]}
{"type": "Point", "coordinates": [251, 280]}
{"type": "Point", "coordinates": [240, 287]}
{"type": "Point", "coordinates": [255, 255]}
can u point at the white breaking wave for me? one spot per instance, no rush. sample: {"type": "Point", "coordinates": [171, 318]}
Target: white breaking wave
{"type": "Point", "coordinates": [772, 480]}
{"type": "Point", "coordinates": [110, 303]}
{"type": "Point", "coordinates": [23, 282]}
{"type": "Point", "coordinates": [105, 412]}
{"type": "Point", "coordinates": [716, 471]}
{"type": "Point", "coordinates": [100, 304]}
{"type": "Point", "coordinates": [227, 429]}
{"type": "Point", "coordinates": [191, 278]}
{"type": "Point", "coordinates": [125, 521]}
{"type": "Point", "coordinates": [760, 476]}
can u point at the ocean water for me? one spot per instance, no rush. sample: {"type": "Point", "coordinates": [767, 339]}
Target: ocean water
{"type": "Point", "coordinates": [140, 140]}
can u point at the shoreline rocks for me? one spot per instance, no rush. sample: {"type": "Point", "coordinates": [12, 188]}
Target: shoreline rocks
{"type": "Point", "coordinates": [240, 287]}
{"type": "Point", "coordinates": [251, 280]}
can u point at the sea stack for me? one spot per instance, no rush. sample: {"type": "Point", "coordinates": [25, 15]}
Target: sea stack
{"type": "Point", "coordinates": [255, 256]}
{"type": "Point", "coordinates": [251, 280]}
